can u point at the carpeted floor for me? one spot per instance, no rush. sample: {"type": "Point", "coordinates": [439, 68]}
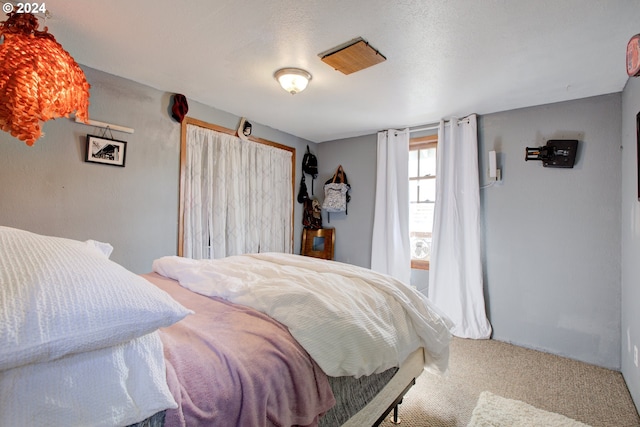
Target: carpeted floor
{"type": "Point", "coordinates": [589, 394]}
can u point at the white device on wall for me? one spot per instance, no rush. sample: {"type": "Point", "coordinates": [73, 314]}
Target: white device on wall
{"type": "Point", "coordinates": [492, 164]}
{"type": "Point", "coordinates": [494, 172]}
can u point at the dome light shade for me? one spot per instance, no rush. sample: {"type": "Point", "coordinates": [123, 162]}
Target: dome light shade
{"type": "Point", "coordinates": [293, 80]}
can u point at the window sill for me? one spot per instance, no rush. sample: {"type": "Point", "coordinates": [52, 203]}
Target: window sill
{"type": "Point", "coordinates": [419, 265]}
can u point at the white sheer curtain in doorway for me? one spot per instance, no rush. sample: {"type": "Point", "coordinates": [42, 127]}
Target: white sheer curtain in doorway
{"type": "Point", "coordinates": [238, 196]}
{"type": "Point", "coordinates": [455, 274]}
{"type": "Point", "coordinates": [390, 246]}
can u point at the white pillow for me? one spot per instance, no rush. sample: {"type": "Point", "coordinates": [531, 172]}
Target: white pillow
{"type": "Point", "coordinates": [61, 296]}
{"type": "Point", "coordinates": [104, 248]}
{"type": "Point", "coordinates": [114, 386]}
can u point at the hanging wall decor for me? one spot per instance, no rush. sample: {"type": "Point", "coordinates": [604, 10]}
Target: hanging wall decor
{"type": "Point", "coordinates": [180, 107]}
{"type": "Point", "coordinates": [244, 130]}
{"type": "Point", "coordinates": [633, 56]}
{"type": "Point", "coordinates": [39, 80]}
{"type": "Point", "coordinates": [105, 150]}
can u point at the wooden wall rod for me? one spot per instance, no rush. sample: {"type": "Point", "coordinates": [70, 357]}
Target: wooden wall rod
{"type": "Point", "coordinates": [105, 125]}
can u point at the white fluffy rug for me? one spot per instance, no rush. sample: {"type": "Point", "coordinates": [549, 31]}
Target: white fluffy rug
{"type": "Point", "coordinates": [495, 411]}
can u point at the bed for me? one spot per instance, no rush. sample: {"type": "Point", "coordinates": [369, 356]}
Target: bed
{"type": "Point", "coordinates": [246, 340]}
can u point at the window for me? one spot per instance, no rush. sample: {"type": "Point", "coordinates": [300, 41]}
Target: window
{"type": "Point", "coordinates": [422, 197]}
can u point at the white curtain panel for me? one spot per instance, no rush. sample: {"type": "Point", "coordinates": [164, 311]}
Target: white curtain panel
{"type": "Point", "coordinates": [390, 246]}
{"type": "Point", "coordinates": [455, 274]}
{"type": "Point", "coordinates": [237, 198]}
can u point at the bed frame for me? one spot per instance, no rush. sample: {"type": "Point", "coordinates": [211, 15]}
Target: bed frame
{"type": "Point", "coordinates": [395, 407]}
{"type": "Point", "coordinates": [392, 394]}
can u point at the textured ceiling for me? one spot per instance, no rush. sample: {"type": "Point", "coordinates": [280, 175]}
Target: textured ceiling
{"type": "Point", "coordinates": [444, 58]}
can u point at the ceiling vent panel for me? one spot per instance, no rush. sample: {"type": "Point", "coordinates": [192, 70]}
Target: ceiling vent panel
{"type": "Point", "coordinates": [352, 56]}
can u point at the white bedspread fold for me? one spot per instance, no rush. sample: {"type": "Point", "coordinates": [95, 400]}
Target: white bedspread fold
{"type": "Point", "coordinates": [351, 320]}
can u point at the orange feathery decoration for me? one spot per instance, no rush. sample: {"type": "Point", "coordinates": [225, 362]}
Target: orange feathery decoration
{"type": "Point", "coordinates": [39, 80]}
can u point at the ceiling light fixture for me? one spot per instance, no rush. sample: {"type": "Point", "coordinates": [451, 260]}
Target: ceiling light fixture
{"type": "Point", "coordinates": [39, 80]}
{"type": "Point", "coordinates": [293, 80]}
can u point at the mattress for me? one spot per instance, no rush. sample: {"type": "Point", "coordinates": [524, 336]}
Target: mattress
{"type": "Point", "coordinates": [156, 420]}
{"type": "Point", "coordinates": [409, 370]}
{"type": "Point", "coordinates": [352, 394]}
{"type": "Point", "coordinates": [362, 401]}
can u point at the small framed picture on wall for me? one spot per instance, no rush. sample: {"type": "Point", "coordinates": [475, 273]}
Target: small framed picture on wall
{"type": "Point", "coordinates": [106, 151]}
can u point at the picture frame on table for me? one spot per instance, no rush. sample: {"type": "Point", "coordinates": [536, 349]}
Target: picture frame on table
{"type": "Point", "coordinates": [318, 243]}
{"type": "Point", "coordinates": [106, 151]}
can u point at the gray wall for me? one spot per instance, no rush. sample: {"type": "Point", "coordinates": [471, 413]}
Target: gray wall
{"type": "Point", "coordinates": [353, 228]}
{"type": "Point", "coordinates": [551, 236]}
{"type": "Point", "coordinates": [630, 238]}
{"type": "Point", "coordinates": [49, 189]}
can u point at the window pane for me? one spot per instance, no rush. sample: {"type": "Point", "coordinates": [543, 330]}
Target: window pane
{"type": "Point", "coordinates": [421, 248]}
{"type": "Point", "coordinates": [413, 191]}
{"type": "Point", "coordinates": [421, 226]}
{"type": "Point", "coordinates": [427, 190]}
{"type": "Point", "coordinates": [428, 162]}
{"type": "Point", "coordinates": [413, 163]}
{"type": "Point", "coordinates": [421, 218]}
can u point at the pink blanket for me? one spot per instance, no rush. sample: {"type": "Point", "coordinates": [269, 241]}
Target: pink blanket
{"type": "Point", "coordinates": [229, 364]}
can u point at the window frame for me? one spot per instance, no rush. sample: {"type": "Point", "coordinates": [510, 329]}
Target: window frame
{"type": "Point", "coordinates": [420, 143]}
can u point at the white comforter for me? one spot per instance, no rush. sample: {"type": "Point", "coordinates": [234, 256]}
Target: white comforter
{"type": "Point", "coordinates": [351, 320]}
